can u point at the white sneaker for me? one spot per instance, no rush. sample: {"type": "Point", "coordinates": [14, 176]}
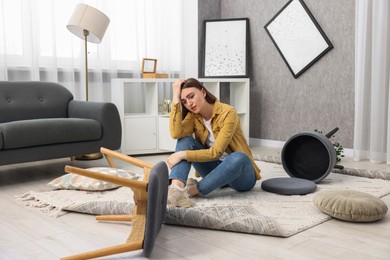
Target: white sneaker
{"type": "Point", "coordinates": [178, 197]}
{"type": "Point", "coordinates": [191, 182]}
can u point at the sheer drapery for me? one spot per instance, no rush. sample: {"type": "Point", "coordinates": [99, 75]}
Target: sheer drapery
{"type": "Point", "coordinates": [372, 72]}
{"type": "Point", "coordinates": [35, 44]}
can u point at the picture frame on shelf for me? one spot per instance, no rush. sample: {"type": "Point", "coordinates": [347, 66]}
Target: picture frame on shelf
{"type": "Point", "coordinates": [149, 65]}
{"type": "Point", "coordinates": [298, 37]}
{"type": "Point", "coordinates": [225, 48]}
{"type": "Point", "coordinates": [149, 69]}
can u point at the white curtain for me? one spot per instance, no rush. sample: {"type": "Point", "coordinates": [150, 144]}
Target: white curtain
{"type": "Point", "coordinates": [372, 72]}
{"type": "Point", "coordinates": [36, 46]}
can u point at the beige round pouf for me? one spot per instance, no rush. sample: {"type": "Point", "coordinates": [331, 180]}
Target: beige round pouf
{"type": "Point", "coordinates": [350, 205]}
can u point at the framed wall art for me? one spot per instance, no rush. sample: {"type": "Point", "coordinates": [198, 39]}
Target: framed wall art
{"type": "Point", "coordinates": [225, 48]}
{"type": "Point", "coordinates": [298, 37]}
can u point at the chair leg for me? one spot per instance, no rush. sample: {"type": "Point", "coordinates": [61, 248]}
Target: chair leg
{"type": "Point", "coordinates": [115, 217]}
{"type": "Point", "coordinates": [123, 248]}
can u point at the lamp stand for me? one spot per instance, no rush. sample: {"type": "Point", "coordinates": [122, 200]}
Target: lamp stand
{"type": "Point", "coordinates": [98, 155]}
{"type": "Point", "coordinates": [86, 33]}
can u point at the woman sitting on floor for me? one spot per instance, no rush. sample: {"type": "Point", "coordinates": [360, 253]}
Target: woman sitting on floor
{"type": "Point", "coordinates": [219, 152]}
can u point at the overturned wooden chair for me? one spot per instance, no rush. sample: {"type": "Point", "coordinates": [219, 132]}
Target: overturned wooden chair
{"type": "Point", "coordinates": [150, 200]}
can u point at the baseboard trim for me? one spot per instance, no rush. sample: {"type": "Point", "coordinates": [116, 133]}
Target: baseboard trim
{"type": "Point", "coordinates": [266, 143]}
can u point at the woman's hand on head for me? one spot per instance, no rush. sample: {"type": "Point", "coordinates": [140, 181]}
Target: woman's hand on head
{"type": "Point", "coordinates": [175, 158]}
{"type": "Point", "coordinates": [176, 90]}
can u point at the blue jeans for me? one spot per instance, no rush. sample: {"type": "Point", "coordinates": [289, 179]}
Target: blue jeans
{"type": "Point", "coordinates": [236, 171]}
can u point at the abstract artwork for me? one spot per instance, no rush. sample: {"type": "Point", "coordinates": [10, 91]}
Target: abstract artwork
{"type": "Point", "coordinates": [225, 48]}
{"type": "Point", "coordinates": [298, 37]}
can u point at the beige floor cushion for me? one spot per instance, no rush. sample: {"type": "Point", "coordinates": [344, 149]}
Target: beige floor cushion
{"type": "Point", "coordinates": [350, 205]}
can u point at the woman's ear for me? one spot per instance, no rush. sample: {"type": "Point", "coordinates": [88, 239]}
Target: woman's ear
{"type": "Point", "coordinates": [204, 92]}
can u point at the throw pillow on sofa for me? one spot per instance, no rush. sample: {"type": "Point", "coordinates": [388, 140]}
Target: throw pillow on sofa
{"type": "Point", "coordinates": [72, 181]}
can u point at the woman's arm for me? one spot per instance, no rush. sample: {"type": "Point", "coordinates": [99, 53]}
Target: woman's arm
{"type": "Point", "coordinates": [175, 158]}
{"type": "Point", "coordinates": [176, 90]}
{"type": "Point", "coordinates": [178, 127]}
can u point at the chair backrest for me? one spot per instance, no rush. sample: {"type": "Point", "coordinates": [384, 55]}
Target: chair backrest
{"type": "Point", "coordinates": [32, 99]}
{"type": "Point", "coordinates": [157, 203]}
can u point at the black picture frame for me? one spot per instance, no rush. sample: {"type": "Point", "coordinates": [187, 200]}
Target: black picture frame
{"type": "Point", "coordinates": [225, 48]}
{"type": "Point", "coordinates": [298, 37]}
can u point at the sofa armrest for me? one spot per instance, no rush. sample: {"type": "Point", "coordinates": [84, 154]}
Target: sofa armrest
{"type": "Point", "coordinates": [104, 112]}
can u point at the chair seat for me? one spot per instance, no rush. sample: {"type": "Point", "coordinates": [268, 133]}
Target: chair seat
{"type": "Point", "coordinates": [289, 186]}
{"type": "Point", "coordinates": [157, 203]}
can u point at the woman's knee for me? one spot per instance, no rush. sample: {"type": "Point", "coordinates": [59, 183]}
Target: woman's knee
{"type": "Point", "coordinates": [188, 143]}
{"type": "Point", "coordinates": [184, 143]}
{"type": "Point", "coordinates": [247, 180]}
{"type": "Point", "coordinates": [239, 158]}
{"type": "Point", "coordinates": [185, 140]}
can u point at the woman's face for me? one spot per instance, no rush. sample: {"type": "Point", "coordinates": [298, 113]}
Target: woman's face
{"type": "Point", "coordinates": [193, 99]}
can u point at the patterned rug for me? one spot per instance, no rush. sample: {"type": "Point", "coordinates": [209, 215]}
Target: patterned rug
{"type": "Point", "coordinates": [256, 212]}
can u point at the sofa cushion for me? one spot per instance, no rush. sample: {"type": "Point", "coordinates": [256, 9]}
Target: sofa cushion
{"type": "Point", "coordinates": [33, 100]}
{"type": "Point", "coordinates": [27, 133]}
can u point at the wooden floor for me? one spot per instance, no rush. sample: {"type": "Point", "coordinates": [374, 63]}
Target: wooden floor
{"type": "Point", "coordinates": [30, 234]}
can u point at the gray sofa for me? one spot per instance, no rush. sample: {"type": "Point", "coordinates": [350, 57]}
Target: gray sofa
{"type": "Point", "coordinates": [41, 120]}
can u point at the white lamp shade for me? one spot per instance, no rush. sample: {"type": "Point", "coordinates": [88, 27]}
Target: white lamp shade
{"type": "Point", "coordinates": [91, 19]}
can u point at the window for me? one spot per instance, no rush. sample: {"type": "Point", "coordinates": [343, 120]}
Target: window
{"type": "Point", "coordinates": [35, 32]}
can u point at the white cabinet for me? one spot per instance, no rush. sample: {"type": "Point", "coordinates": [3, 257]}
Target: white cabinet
{"type": "Point", "coordinates": [165, 142]}
{"type": "Point", "coordinates": [141, 138]}
{"type": "Point", "coordinates": [145, 129]}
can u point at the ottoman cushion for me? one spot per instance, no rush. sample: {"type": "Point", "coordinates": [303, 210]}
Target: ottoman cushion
{"type": "Point", "coordinates": [289, 186]}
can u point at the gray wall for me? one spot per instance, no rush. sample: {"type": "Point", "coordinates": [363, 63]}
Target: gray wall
{"type": "Point", "coordinates": [322, 97]}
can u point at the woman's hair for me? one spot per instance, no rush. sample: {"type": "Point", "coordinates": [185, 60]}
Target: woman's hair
{"type": "Point", "coordinates": [194, 83]}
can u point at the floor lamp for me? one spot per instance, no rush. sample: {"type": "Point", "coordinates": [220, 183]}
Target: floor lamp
{"type": "Point", "coordinates": [89, 24]}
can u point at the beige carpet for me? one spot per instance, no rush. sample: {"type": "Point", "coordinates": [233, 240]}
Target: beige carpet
{"type": "Point", "coordinates": [256, 212]}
